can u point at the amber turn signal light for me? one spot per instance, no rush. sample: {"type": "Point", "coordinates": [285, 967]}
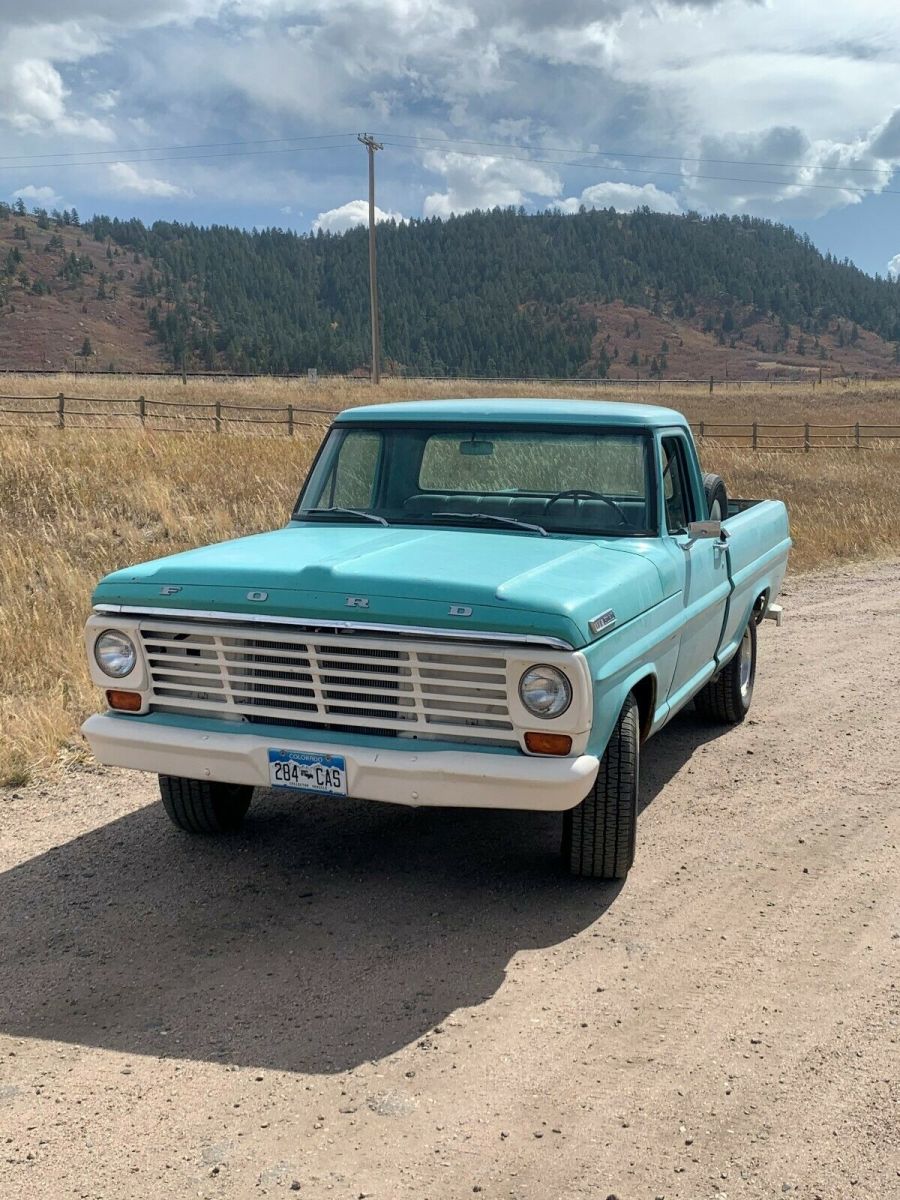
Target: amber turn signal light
{"type": "Point", "coordinates": [124, 701]}
{"type": "Point", "coordinates": [548, 743]}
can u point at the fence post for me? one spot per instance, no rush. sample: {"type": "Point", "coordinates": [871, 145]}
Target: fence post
{"type": "Point", "coordinates": [755, 435]}
{"type": "Point", "coordinates": [806, 436]}
{"type": "Point", "coordinates": [702, 430]}
{"type": "Point", "coordinates": [218, 416]}
{"type": "Point", "coordinates": [290, 416]}
{"type": "Point", "coordinates": [142, 409]}
{"type": "Point", "coordinates": [857, 435]}
{"type": "Point", "coordinates": [61, 411]}
{"type": "Point", "coordinates": [710, 384]}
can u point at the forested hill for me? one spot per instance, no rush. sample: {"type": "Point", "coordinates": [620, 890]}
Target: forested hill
{"type": "Point", "coordinates": [501, 292]}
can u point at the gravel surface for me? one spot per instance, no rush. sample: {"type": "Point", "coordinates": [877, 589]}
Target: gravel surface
{"type": "Point", "coordinates": [353, 1000]}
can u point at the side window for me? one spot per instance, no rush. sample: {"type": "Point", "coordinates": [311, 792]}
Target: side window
{"type": "Point", "coordinates": [352, 482]}
{"type": "Point", "coordinates": [676, 485]}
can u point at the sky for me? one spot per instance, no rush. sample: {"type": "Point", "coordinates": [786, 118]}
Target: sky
{"type": "Point", "coordinates": [245, 112]}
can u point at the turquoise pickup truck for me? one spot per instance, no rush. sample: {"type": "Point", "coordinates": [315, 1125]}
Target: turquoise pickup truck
{"type": "Point", "coordinates": [480, 603]}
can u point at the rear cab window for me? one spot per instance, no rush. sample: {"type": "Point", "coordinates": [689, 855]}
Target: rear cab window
{"type": "Point", "coordinates": [540, 462]}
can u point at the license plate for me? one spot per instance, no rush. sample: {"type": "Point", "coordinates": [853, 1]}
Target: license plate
{"type": "Point", "coordinates": [308, 772]}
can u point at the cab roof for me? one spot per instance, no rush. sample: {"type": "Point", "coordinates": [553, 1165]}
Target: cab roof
{"type": "Point", "coordinates": [496, 410]}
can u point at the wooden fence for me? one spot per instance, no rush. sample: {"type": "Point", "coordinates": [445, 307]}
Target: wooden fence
{"type": "Point", "coordinates": [810, 377]}
{"type": "Point", "coordinates": [218, 416]}
{"type": "Point", "coordinates": [215, 416]}
{"type": "Point", "coordinates": [755, 435]}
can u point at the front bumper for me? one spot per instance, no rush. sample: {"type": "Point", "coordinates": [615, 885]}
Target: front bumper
{"type": "Point", "coordinates": [435, 778]}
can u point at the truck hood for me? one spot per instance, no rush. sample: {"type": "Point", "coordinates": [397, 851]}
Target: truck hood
{"type": "Point", "coordinates": [513, 583]}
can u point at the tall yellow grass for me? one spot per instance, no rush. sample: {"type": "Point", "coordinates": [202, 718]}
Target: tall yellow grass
{"type": "Point", "coordinates": [75, 504]}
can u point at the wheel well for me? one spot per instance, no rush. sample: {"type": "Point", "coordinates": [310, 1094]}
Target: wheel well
{"type": "Point", "coordinates": [760, 605]}
{"type": "Point", "coordinates": [645, 694]}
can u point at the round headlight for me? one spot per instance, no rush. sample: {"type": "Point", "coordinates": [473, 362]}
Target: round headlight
{"type": "Point", "coordinates": [545, 691]}
{"type": "Point", "coordinates": [115, 653]}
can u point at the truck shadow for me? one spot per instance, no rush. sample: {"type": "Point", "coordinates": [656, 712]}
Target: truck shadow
{"type": "Point", "coordinates": [326, 935]}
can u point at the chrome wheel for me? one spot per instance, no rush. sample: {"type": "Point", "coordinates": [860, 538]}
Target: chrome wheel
{"type": "Point", "coordinates": [746, 663]}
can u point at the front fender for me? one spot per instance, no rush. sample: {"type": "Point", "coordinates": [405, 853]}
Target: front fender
{"type": "Point", "coordinates": [609, 699]}
{"type": "Point", "coordinates": [644, 648]}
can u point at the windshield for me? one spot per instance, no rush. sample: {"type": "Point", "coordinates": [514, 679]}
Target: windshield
{"type": "Point", "coordinates": [535, 480]}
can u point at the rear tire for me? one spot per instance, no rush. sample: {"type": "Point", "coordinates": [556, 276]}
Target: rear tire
{"type": "Point", "coordinates": [727, 697]}
{"type": "Point", "coordinates": [716, 497]}
{"type": "Point", "coordinates": [599, 833]}
{"type": "Point", "coordinates": [203, 806]}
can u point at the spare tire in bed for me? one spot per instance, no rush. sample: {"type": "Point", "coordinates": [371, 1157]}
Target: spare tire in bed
{"type": "Point", "coordinates": [716, 497]}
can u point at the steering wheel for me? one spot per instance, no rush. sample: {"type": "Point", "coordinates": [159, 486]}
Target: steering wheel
{"type": "Point", "coordinates": [585, 494]}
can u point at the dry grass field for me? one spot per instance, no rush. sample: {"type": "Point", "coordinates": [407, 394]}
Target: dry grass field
{"type": "Point", "coordinates": [833, 402]}
{"type": "Point", "coordinates": [77, 503]}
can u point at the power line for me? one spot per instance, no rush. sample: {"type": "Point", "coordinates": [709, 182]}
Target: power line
{"type": "Point", "coordinates": [728, 162]}
{"type": "Point", "coordinates": [27, 159]}
{"type": "Point", "coordinates": [312, 137]}
{"type": "Point", "coordinates": [109, 162]}
{"type": "Point", "coordinates": [411, 142]}
{"type": "Point", "coordinates": [826, 187]}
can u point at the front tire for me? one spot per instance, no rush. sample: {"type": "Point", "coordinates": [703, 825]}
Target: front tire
{"type": "Point", "coordinates": [727, 697]}
{"type": "Point", "coordinates": [599, 833]}
{"type": "Point", "coordinates": [204, 806]}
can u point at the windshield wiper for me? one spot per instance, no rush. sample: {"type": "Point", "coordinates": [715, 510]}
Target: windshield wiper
{"type": "Point", "coordinates": [491, 517]}
{"type": "Point", "coordinates": [353, 512]}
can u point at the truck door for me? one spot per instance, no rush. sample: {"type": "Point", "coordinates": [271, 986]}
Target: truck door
{"type": "Point", "coordinates": [703, 568]}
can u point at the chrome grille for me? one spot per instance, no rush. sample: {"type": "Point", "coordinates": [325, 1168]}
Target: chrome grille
{"type": "Point", "coordinates": [329, 680]}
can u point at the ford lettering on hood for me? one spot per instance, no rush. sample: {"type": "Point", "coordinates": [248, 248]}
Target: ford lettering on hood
{"type": "Point", "coordinates": [481, 579]}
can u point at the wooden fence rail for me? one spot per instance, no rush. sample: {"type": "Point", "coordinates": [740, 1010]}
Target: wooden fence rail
{"type": "Point", "coordinates": [58, 411]}
{"type": "Point", "coordinates": [80, 412]}
{"type": "Point", "coordinates": [811, 376]}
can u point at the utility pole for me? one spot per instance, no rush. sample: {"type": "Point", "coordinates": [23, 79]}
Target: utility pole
{"type": "Point", "coordinates": [371, 145]}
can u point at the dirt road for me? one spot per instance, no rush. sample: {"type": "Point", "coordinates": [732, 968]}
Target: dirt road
{"type": "Point", "coordinates": [351, 1000]}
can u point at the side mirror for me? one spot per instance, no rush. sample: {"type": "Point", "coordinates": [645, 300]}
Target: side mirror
{"type": "Point", "coordinates": [706, 529]}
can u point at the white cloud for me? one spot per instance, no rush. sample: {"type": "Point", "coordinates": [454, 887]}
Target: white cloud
{"type": "Point", "coordinates": [486, 182]}
{"type": "Point", "coordinates": [107, 101]}
{"type": "Point", "coordinates": [781, 170]}
{"type": "Point", "coordinates": [38, 90]}
{"type": "Point", "coordinates": [624, 197]}
{"type": "Point", "coordinates": [719, 79]}
{"type": "Point", "coordinates": [124, 178]}
{"type": "Point", "coordinates": [893, 267]}
{"type": "Point", "coordinates": [33, 101]}
{"type": "Point", "coordinates": [42, 197]}
{"type": "Point", "coordinates": [354, 212]}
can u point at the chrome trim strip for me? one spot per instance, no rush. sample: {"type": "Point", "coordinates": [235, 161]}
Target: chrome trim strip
{"type": "Point", "coordinates": [458, 635]}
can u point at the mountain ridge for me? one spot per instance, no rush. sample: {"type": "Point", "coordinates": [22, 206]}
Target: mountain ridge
{"type": "Point", "coordinates": [592, 294]}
